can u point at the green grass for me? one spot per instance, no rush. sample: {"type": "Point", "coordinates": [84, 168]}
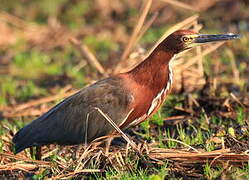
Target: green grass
{"type": "Point", "coordinates": [138, 173]}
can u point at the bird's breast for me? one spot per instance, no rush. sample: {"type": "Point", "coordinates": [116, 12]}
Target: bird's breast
{"type": "Point", "coordinates": [146, 101]}
{"type": "Point", "coordinates": [151, 108]}
{"type": "Point", "coordinates": [146, 104]}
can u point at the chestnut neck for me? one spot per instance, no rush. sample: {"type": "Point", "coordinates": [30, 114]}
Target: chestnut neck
{"type": "Point", "coordinates": [153, 72]}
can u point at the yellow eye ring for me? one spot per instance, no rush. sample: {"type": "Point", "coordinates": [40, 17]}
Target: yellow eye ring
{"type": "Point", "coordinates": [185, 39]}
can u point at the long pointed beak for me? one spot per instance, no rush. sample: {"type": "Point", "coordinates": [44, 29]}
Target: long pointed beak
{"type": "Point", "coordinates": [205, 38]}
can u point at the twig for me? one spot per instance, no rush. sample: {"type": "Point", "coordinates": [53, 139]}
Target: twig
{"type": "Point", "coordinates": [40, 101]}
{"type": "Point", "coordinates": [136, 30]}
{"type": "Point", "coordinates": [20, 166]}
{"type": "Point", "coordinates": [174, 118]}
{"type": "Point", "coordinates": [24, 113]}
{"type": "Point", "coordinates": [122, 63]}
{"type": "Point", "coordinates": [195, 59]}
{"type": "Point", "coordinates": [18, 157]}
{"type": "Point", "coordinates": [180, 4]}
{"type": "Point", "coordinates": [133, 145]}
{"type": "Point", "coordinates": [237, 100]}
{"type": "Point", "coordinates": [14, 20]}
{"type": "Point", "coordinates": [234, 67]}
{"type": "Point", "coordinates": [201, 157]}
{"type": "Point", "coordinates": [91, 59]}
{"type": "Point", "coordinates": [200, 69]}
{"type": "Point", "coordinates": [85, 153]}
{"type": "Point", "coordinates": [146, 27]}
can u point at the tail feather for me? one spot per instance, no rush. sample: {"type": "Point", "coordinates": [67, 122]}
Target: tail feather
{"type": "Point", "coordinates": [33, 134]}
{"type": "Point", "coordinates": [19, 142]}
{"type": "Point", "coordinates": [23, 139]}
{"type": "Point", "coordinates": [44, 130]}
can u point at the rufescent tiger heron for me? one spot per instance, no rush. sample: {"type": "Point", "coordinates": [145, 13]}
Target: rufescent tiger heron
{"type": "Point", "coordinates": [127, 98]}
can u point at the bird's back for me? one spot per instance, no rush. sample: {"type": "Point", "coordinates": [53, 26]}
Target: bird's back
{"type": "Point", "coordinates": [76, 120]}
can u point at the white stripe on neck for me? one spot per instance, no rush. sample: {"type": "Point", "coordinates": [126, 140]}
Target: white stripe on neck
{"type": "Point", "coordinates": [161, 95]}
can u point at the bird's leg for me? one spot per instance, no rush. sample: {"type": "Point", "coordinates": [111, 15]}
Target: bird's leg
{"type": "Point", "coordinates": [31, 152]}
{"type": "Point", "coordinates": [35, 153]}
{"type": "Point", "coordinates": [38, 153]}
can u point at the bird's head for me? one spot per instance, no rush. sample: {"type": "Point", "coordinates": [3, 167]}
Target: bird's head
{"type": "Point", "coordinates": [184, 39]}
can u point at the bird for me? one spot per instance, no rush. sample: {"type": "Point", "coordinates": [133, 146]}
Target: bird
{"type": "Point", "coordinates": [127, 98]}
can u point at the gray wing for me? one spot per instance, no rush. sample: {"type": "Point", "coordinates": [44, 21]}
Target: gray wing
{"type": "Point", "coordinates": [75, 120]}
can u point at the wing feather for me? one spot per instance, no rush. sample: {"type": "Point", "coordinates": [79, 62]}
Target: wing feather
{"type": "Point", "coordinates": [75, 119]}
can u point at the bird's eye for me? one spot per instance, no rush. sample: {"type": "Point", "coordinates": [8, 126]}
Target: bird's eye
{"type": "Point", "coordinates": [185, 39]}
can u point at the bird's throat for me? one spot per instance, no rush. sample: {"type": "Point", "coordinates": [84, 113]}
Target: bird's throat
{"type": "Point", "coordinates": [154, 71]}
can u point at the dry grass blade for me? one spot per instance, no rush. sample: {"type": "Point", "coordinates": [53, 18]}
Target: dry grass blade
{"type": "Point", "coordinates": [216, 158]}
{"type": "Point", "coordinates": [72, 174]}
{"type": "Point", "coordinates": [13, 110]}
{"type": "Point", "coordinates": [146, 26]}
{"type": "Point", "coordinates": [91, 59]}
{"type": "Point", "coordinates": [49, 153]}
{"type": "Point", "coordinates": [175, 140]}
{"type": "Point", "coordinates": [26, 112]}
{"type": "Point", "coordinates": [13, 20]}
{"type": "Point", "coordinates": [19, 165]}
{"type": "Point", "coordinates": [194, 157]}
{"type": "Point", "coordinates": [195, 59]}
{"type": "Point", "coordinates": [237, 100]}
{"type": "Point", "coordinates": [180, 4]}
{"type": "Point", "coordinates": [200, 69]}
{"type": "Point", "coordinates": [136, 30]}
{"type": "Point", "coordinates": [84, 154]}
{"type": "Point", "coordinates": [133, 145]}
{"type": "Point", "coordinates": [20, 158]}
{"type": "Point", "coordinates": [141, 33]}
{"type": "Point", "coordinates": [174, 118]}
{"type": "Point", "coordinates": [234, 66]}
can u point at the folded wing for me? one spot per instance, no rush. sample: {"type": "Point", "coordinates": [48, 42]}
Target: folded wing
{"type": "Point", "coordinates": [75, 120]}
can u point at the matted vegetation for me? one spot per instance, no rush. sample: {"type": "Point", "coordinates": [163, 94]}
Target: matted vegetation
{"type": "Point", "coordinates": [49, 49]}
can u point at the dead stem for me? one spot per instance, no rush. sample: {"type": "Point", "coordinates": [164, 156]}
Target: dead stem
{"type": "Point", "coordinates": [129, 141]}
{"type": "Point", "coordinates": [136, 30]}
{"type": "Point", "coordinates": [90, 57]}
{"type": "Point", "coordinates": [180, 5]}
